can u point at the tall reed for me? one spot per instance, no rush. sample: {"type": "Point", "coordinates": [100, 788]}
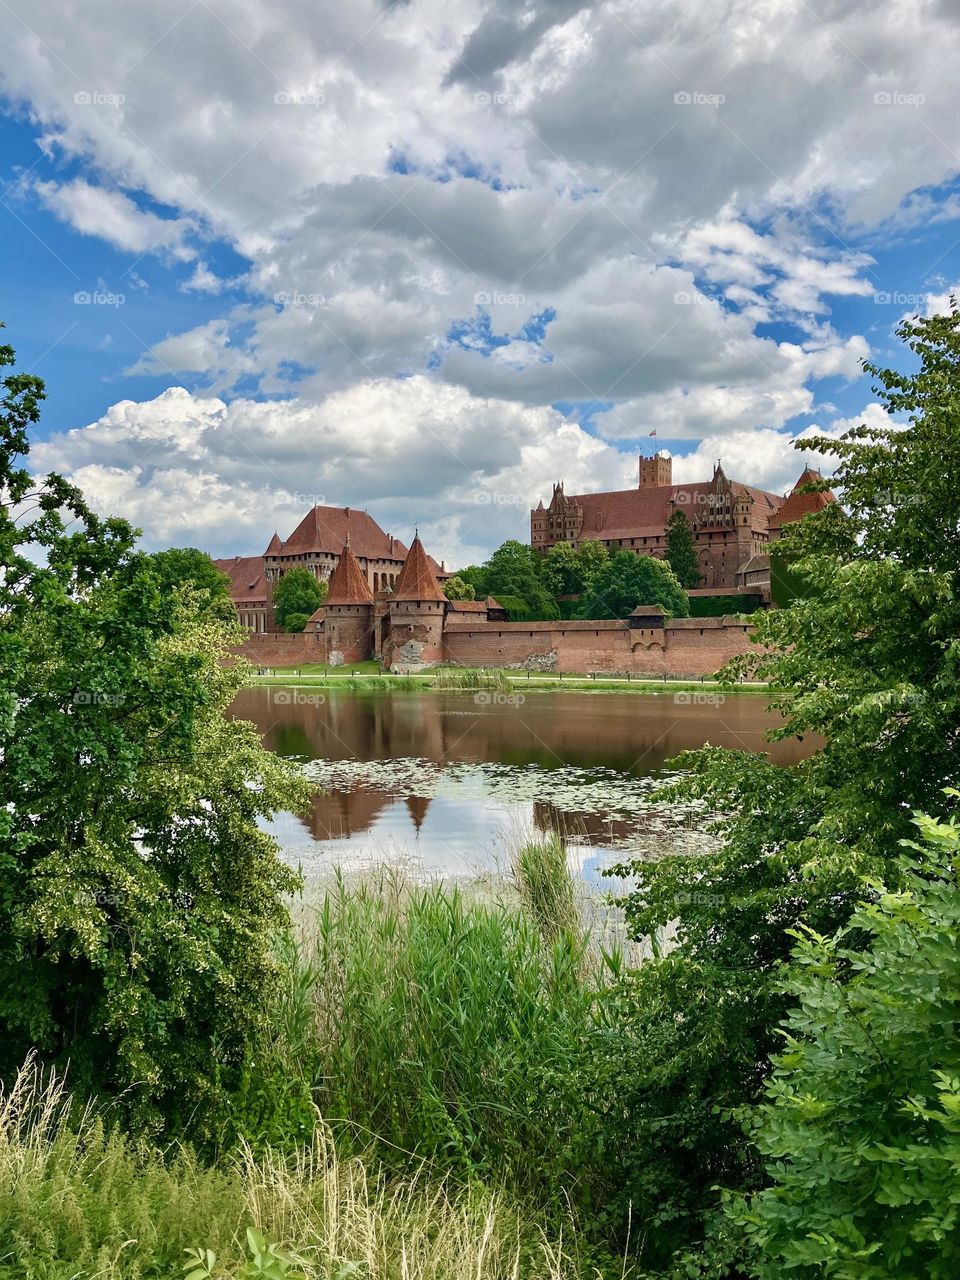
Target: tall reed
{"type": "Point", "coordinates": [79, 1200]}
{"type": "Point", "coordinates": [448, 1029]}
{"type": "Point", "coordinates": [471, 678]}
{"type": "Point", "coordinates": [542, 878]}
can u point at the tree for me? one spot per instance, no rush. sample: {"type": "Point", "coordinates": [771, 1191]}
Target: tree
{"type": "Point", "coordinates": [181, 565]}
{"type": "Point", "coordinates": [681, 552]}
{"type": "Point", "coordinates": [867, 663]}
{"type": "Point", "coordinates": [138, 895]}
{"type": "Point", "coordinates": [456, 588]}
{"type": "Point", "coordinates": [514, 570]}
{"type": "Point", "coordinates": [859, 1128]}
{"type": "Point", "coordinates": [569, 571]}
{"type": "Point", "coordinates": [297, 592]}
{"type": "Point", "coordinates": [628, 580]}
{"type": "Point", "coordinates": [296, 622]}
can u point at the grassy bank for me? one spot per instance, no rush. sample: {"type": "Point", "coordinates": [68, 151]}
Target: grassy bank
{"type": "Point", "coordinates": [79, 1200]}
{"type": "Point", "coordinates": [447, 679]}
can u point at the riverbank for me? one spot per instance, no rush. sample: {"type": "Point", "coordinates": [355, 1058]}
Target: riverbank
{"type": "Point", "coordinates": [368, 676]}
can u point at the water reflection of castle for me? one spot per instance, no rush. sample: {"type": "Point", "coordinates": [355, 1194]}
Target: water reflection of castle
{"type": "Point", "coordinates": [628, 732]}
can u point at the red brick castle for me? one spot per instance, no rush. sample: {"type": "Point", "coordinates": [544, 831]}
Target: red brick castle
{"type": "Point", "coordinates": [732, 523]}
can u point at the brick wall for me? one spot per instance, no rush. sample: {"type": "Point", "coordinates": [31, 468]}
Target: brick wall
{"type": "Point", "coordinates": [684, 647]}
{"type": "Point", "coordinates": [284, 650]}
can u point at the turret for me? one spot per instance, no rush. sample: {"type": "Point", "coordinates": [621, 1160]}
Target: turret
{"type": "Point", "coordinates": [417, 609]}
{"type": "Point", "coordinates": [348, 612]}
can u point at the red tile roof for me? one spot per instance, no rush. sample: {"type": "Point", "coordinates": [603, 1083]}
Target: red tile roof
{"type": "Point", "coordinates": [468, 606]}
{"type": "Point", "coordinates": [416, 579]}
{"type": "Point", "coordinates": [348, 582]}
{"type": "Point", "coordinates": [326, 529]}
{"type": "Point", "coordinates": [643, 513]}
{"type": "Point", "coordinates": [797, 504]}
{"type": "Point", "coordinates": [248, 584]}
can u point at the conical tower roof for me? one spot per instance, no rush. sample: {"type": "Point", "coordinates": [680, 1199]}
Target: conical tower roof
{"type": "Point", "coordinates": [275, 545]}
{"type": "Point", "coordinates": [798, 503]}
{"type": "Point", "coordinates": [416, 580]}
{"type": "Point", "coordinates": [348, 583]}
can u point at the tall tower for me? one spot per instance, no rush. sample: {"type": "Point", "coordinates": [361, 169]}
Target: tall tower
{"type": "Point", "coordinates": [656, 472]}
{"type": "Point", "coordinates": [417, 609]}
{"type": "Point", "coordinates": [348, 612]}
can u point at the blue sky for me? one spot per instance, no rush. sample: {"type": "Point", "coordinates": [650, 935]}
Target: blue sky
{"type": "Point", "coordinates": [428, 259]}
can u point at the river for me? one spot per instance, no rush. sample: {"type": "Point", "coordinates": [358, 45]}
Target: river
{"type": "Point", "coordinates": [443, 783]}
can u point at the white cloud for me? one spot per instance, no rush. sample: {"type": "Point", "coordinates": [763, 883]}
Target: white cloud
{"type": "Point", "coordinates": [114, 217]}
{"type": "Point", "coordinates": [412, 185]}
{"type": "Point", "coordinates": [192, 469]}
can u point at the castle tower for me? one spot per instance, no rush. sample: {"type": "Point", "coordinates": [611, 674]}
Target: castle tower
{"type": "Point", "coordinates": [656, 472]}
{"type": "Point", "coordinates": [417, 609]}
{"type": "Point", "coordinates": [348, 612]}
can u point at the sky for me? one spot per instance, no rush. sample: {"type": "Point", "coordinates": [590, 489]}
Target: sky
{"type": "Point", "coordinates": [427, 258]}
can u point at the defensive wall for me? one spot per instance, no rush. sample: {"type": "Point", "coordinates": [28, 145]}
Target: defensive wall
{"type": "Point", "coordinates": [680, 647]}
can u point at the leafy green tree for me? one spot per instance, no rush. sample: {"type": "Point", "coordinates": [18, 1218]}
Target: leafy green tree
{"type": "Point", "coordinates": [628, 580]}
{"type": "Point", "coordinates": [475, 575]}
{"type": "Point", "coordinates": [861, 1127]}
{"type": "Point", "coordinates": [297, 592]}
{"type": "Point", "coordinates": [138, 895]}
{"type": "Point", "coordinates": [514, 570]}
{"type": "Point", "coordinates": [296, 622]}
{"type": "Point", "coordinates": [456, 588]}
{"type": "Point", "coordinates": [681, 552]}
{"type": "Point", "coordinates": [181, 565]}
{"type": "Point", "coordinates": [569, 571]}
{"type": "Point", "coordinates": [866, 669]}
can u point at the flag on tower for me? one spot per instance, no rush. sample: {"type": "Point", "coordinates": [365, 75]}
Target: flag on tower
{"type": "Point", "coordinates": [654, 431]}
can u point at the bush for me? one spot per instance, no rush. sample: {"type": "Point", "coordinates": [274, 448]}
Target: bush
{"type": "Point", "coordinates": [295, 622]}
{"type": "Point", "coordinates": [861, 1129]}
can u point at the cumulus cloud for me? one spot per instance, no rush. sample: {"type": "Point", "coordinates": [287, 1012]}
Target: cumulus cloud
{"type": "Point", "coordinates": [114, 217]}
{"type": "Point", "coordinates": [196, 469]}
{"type": "Point", "coordinates": [519, 204]}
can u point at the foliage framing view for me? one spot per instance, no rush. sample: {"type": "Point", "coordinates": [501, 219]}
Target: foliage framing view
{"type": "Point", "coordinates": [139, 896]}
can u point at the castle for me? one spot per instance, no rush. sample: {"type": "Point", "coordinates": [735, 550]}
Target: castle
{"type": "Point", "coordinates": [316, 545]}
{"type": "Point", "coordinates": [386, 602]}
{"type": "Point", "coordinates": [732, 523]}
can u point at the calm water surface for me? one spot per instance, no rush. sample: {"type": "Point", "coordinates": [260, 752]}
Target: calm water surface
{"type": "Point", "coordinates": [444, 782]}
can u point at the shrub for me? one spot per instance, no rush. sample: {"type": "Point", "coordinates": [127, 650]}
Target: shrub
{"type": "Point", "coordinates": [861, 1127]}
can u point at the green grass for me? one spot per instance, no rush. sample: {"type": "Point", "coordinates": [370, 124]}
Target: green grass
{"type": "Point", "coordinates": [80, 1201]}
{"type": "Point", "coordinates": [446, 679]}
{"type": "Point", "coordinates": [546, 888]}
